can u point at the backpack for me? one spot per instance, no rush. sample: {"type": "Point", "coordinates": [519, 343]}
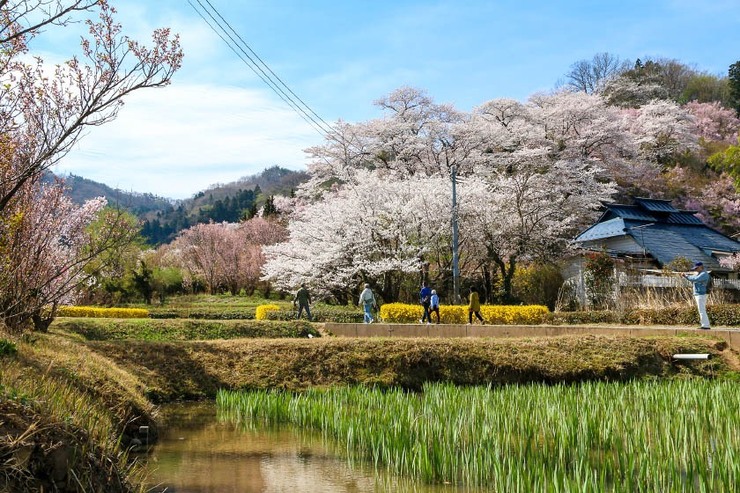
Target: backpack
{"type": "Point", "coordinates": [710, 284]}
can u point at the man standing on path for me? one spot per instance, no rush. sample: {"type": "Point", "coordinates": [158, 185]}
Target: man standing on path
{"type": "Point", "coordinates": [303, 298]}
{"type": "Point", "coordinates": [425, 298]}
{"type": "Point", "coordinates": [367, 301]}
{"type": "Point", "coordinates": [700, 280]}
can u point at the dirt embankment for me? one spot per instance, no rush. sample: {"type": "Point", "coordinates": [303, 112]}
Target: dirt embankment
{"type": "Point", "coordinates": [172, 371]}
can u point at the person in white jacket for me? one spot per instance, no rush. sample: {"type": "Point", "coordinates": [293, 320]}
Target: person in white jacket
{"type": "Point", "coordinates": [367, 301]}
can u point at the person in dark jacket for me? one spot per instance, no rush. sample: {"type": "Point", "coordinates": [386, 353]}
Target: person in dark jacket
{"type": "Point", "coordinates": [303, 299]}
{"type": "Point", "coordinates": [425, 298]}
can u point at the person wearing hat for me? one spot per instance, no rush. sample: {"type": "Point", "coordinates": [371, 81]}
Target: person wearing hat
{"type": "Point", "coordinates": [700, 280]}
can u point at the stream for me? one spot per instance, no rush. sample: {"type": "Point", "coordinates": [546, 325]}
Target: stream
{"type": "Point", "coordinates": [198, 453]}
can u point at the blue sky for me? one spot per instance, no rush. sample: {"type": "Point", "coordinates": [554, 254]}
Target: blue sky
{"type": "Point", "coordinates": [218, 121]}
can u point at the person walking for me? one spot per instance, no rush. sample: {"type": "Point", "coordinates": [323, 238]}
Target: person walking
{"type": "Point", "coordinates": [700, 280]}
{"type": "Point", "coordinates": [425, 298]}
{"type": "Point", "coordinates": [367, 301]}
{"type": "Point", "coordinates": [474, 306]}
{"type": "Point", "coordinates": [434, 305]}
{"type": "Point", "coordinates": [303, 299]}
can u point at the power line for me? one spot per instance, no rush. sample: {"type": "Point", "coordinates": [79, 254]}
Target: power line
{"type": "Point", "coordinates": [269, 69]}
{"type": "Point", "coordinates": [266, 74]}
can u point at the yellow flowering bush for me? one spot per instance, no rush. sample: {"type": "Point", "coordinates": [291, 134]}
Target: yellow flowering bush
{"type": "Point", "coordinates": [100, 312]}
{"type": "Point", "coordinates": [261, 311]}
{"type": "Point", "coordinates": [458, 314]}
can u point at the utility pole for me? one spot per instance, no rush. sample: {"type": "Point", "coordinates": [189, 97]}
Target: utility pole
{"type": "Point", "coordinates": [455, 245]}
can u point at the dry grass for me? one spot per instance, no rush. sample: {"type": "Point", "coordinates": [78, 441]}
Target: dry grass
{"type": "Point", "coordinates": [63, 410]}
{"type": "Point", "coordinates": [199, 369]}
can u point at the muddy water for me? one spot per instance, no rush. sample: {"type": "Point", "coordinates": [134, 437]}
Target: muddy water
{"type": "Point", "coordinates": [197, 453]}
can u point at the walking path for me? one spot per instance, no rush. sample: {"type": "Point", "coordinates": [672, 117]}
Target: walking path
{"type": "Point", "coordinates": [730, 334]}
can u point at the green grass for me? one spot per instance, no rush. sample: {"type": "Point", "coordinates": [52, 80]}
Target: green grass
{"type": "Point", "coordinates": [180, 329]}
{"type": "Point", "coordinates": [679, 435]}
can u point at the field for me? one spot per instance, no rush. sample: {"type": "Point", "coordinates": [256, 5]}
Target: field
{"type": "Point", "coordinates": [681, 435]}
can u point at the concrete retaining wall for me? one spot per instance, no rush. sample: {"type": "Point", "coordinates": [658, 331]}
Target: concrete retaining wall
{"type": "Point", "coordinates": [732, 336]}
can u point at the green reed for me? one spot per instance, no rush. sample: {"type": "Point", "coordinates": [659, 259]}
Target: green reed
{"type": "Point", "coordinates": [640, 436]}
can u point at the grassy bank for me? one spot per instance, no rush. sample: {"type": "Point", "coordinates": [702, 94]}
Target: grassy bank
{"type": "Point", "coordinates": [66, 415]}
{"type": "Point", "coordinates": [198, 369]}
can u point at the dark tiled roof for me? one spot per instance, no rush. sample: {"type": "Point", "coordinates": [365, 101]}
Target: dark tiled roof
{"type": "Point", "coordinates": [683, 217]}
{"type": "Point", "coordinates": [655, 205]}
{"type": "Point", "coordinates": [663, 231]}
{"type": "Point", "coordinates": [665, 243]}
{"type": "Point", "coordinates": [627, 212]}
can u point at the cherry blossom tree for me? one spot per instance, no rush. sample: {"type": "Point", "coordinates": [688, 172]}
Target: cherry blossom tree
{"type": "Point", "coordinates": [45, 251]}
{"type": "Point", "coordinates": [416, 136]}
{"type": "Point", "coordinates": [661, 130]}
{"type": "Point", "coordinates": [544, 167]}
{"type": "Point", "coordinates": [731, 262]}
{"type": "Point", "coordinates": [224, 256]}
{"type": "Point", "coordinates": [714, 122]}
{"type": "Point", "coordinates": [45, 110]}
{"type": "Point", "coordinates": [381, 231]}
{"type": "Point", "coordinates": [530, 175]}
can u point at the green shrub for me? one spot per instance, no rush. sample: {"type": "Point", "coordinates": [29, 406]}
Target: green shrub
{"type": "Point", "coordinates": [537, 284]}
{"type": "Point", "coordinates": [7, 348]}
{"type": "Point", "coordinates": [183, 329]}
{"type": "Point", "coordinates": [201, 313]}
{"type": "Point", "coordinates": [341, 316]}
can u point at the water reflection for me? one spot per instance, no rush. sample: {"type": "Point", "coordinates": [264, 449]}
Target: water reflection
{"type": "Point", "coordinates": [198, 454]}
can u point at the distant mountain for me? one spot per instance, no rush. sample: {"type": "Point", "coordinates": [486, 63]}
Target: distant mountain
{"type": "Point", "coordinates": [230, 202]}
{"type": "Point", "coordinates": [162, 219]}
{"type": "Point", "coordinates": [80, 189]}
{"type": "Point", "coordinates": [271, 181]}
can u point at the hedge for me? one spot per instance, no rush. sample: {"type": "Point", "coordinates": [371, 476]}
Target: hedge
{"type": "Point", "coordinates": [201, 313]}
{"type": "Point", "coordinates": [343, 316]}
{"type": "Point", "coordinates": [98, 312]}
{"type": "Point", "coordinates": [458, 314]}
{"type": "Point", "coordinates": [182, 329]}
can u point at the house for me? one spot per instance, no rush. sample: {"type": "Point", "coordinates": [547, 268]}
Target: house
{"type": "Point", "coordinates": [652, 233]}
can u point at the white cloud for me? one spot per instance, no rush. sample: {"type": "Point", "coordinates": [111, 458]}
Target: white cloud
{"type": "Point", "coordinates": [178, 140]}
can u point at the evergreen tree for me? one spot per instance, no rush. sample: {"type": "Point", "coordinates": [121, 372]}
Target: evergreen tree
{"type": "Point", "coordinates": [734, 79]}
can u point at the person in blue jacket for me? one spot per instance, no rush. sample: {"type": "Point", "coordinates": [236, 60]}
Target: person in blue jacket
{"type": "Point", "coordinates": [425, 298]}
{"type": "Point", "coordinates": [700, 280]}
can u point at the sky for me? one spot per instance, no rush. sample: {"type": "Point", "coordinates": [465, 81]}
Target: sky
{"type": "Point", "coordinates": [218, 122]}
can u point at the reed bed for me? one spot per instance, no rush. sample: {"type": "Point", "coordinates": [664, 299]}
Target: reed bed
{"type": "Point", "coordinates": [681, 435]}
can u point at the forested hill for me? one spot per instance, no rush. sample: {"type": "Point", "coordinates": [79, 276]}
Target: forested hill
{"type": "Point", "coordinates": [80, 189]}
{"type": "Point", "coordinates": [163, 218]}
